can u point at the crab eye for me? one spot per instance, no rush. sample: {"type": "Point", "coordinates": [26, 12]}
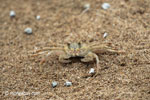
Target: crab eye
{"type": "Point", "coordinates": [68, 44]}
{"type": "Point", "coordinates": [79, 45]}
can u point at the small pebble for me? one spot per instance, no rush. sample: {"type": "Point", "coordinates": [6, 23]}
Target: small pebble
{"type": "Point", "coordinates": [12, 13]}
{"type": "Point", "coordinates": [68, 83]}
{"type": "Point", "coordinates": [105, 6]}
{"type": "Point", "coordinates": [105, 35]}
{"type": "Point", "coordinates": [38, 17]}
{"type": "Point", "coordinates": [28, 30]}
{"type": "Point", "coordinates": [54, 84]}
{"type": "Point", "coordinates": [92, 71]}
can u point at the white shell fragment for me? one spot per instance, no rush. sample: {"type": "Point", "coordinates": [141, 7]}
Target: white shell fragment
{"type": "Point", "coordinates": [105, 35]}
{"type": "Point", "coordinates": [105, 6]}
{"type": "Point", "coordinates": [87, 6]}
{"type": "Point", "coordinates": [38, 17]}
{"type": "Point", "coordinates": [68, 83]}
{"type": "Point", "coordinates": [28, 30]}
{"type": "Point", "coordinates": [54, 84]}
{"type": "Point", "coordinates": [92, 71]}
{"type": "Point", "coordinates": [12, 13]}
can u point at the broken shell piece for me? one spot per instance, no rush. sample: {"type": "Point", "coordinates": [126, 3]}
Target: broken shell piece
{"type": "Point", "coordinates": [28, 30]}
{"type": "Point", "coordinates": [105, 6]}
{"type": "Point", "coordinates": [105, 35]}
{"type": "Point", "coordinates": [92, 71]}
{"type": "Point", "coordinates": [38, 17]}
{"type": "Point", "coordinates": [54, 84]}
{"type": "Point", "coordinates": [12, 13]}
{"type": "Point", "coordinates": [68, 83]}
{"type": "Point", "coordinates": [87, 6]}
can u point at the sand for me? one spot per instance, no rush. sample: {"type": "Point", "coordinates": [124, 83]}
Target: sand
{"type": "Point", "coordinates": [121, 77]}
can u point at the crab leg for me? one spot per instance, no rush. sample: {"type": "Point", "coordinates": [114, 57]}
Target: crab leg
{"type": "Point", "coordinates": [98, 44]}
{"type": "Point", "coordinates": [97, 63]}
{"type": "Point", "coordinates": [90, 57]}
{"type": "Point", "coordinates": [49, 49]}
{"type": "Point", "coordinates": [99, 48]}
{"type": "Point", "coordinates": [37, 54]}
{"type": "Point", "coordinates": [45, 50]}
{"type": "Point", "coordinates": [44, 58]}
{"type": "Point", "coordinates": [105, 48]}
{"type": "Point", "coordinates": [54, 44]}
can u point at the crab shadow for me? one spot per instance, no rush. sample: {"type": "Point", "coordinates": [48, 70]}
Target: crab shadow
{"type": "Point", "coordinates": [77, 60]}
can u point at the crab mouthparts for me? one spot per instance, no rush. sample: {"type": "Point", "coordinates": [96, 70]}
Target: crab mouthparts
{"type": "Point", "coordinates": [76, 52]}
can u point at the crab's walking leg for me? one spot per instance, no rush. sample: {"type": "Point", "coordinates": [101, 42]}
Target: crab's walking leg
{"type": "Point", "coordinates": [45, 50]}
{"type": "Point", "coordinates": [64, 58]}
{"type": "Point", "coordinates": [49, 49]}
{"type": "Point", "coordinates": [44, 58]}
{"type": "Point", "coordinates": [90, 57]}
{"type": "Point", "coordinates": [115, 51]}
{"type": "Point", "coordinates": [105, 48]}
{"type": "Point", "coordinates": [37, 54]}
{"type": "Point", "coordinates": [97, 62]}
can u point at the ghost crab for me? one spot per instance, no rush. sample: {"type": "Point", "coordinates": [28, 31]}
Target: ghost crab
{"type": "Point", "coordinates": [88, 52]}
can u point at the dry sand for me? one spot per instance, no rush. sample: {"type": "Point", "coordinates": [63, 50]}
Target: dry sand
{"type": "Point", "coordinates": [123, 77]}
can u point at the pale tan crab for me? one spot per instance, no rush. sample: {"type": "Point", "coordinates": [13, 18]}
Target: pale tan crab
{"type": "Point", "coordinates": [88, 52]}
